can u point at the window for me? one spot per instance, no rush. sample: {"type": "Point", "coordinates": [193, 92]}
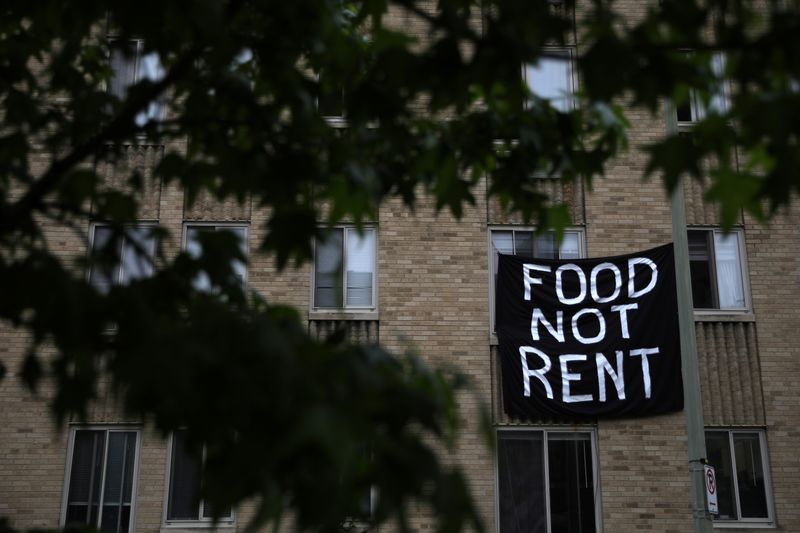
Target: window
{"type": "Point", "coordinates": [551, 78]}
{"type": "Point", "coordinates": [130, 65]}
{"type": "Point", "coordinates": [546, 482]}
{"type": "Point", "coordinates": [739, 461]}
{"type": "Point", "coordinates": [185, 468]}
{"type": "Point", "coordinates": [330, 99]}
{"type": "Point", "coordinates": [101, 479]}
{"type": "Point", "coordinates": [344, 270]}
{"type": "Point", "coordinates": [694, 109]}
{"type": "Point", "coordinates": [131, 259]}
{"type": "Point", "coordinates": [526, 242]}
{"type": "Point", "coordinates": [195, 249]}
{"type": "Point", "coordinates": [715, 262]}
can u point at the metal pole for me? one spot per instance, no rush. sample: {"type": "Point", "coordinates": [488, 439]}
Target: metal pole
{"type": "Point", "coordinates": [692, 400]}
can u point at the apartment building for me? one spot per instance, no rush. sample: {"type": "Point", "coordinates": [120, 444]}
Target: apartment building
{"type": "Point", "coordinates": [426, 280]}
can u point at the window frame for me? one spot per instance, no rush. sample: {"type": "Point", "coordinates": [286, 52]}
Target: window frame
{"type": "Point", "coordinates": [107, 428]}
{"type": "Point", "coordinates": [365, 312]}
{"type": "Point", "coordinates": [744, 272]}
{"type": "Point", "coordinates": [577, 230]}
{"type": "Point", "coordinates": [200, 521]}
{"type": "Point", "coordinates": [762, 442]}
{"type": "Point", "coordinates": [120, 276]}
{"type": "Point", "coordinates": [569, 52]}
{"type": "Point", "coordinates": [217, 226]}
{"type": "Point", "coordinates": [546, 431]}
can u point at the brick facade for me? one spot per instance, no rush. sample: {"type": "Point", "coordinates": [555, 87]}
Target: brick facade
{"type": "Point", "coordinates": [433, 296]}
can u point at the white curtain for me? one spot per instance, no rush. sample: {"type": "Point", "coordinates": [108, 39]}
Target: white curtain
{"type": "Point", "coordinates": [729, 271]}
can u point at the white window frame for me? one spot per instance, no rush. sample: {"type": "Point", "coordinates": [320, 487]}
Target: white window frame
{"type": "Point", "coordinates": [706, 312]}
{"type": "Point", "coordinates": [579, 231]}
{"type": "Point", "coordinates": [200, 522]}
{"type": "Point", "coordinates": [569, 53]}
{"type": "Point", "coordinates": [107, 428]}
{"type": "Point", "coordinates": [547, 430]}
{"type": "Point", "coordinates": [221, 226]}
{"type": "Point", "coordinates": [748, 522]}
{"type": "Point", "coordinates": [368, 312]}
{"type": "Point", "coordinates": [121, 275]}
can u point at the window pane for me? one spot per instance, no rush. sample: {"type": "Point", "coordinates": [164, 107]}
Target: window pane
{"type": "Point", "coordinates": [570, 247]}
{"type": "Point", "coordinates": [546, 246]}
{"type": "Point", "coordinates": [102, 276]}
{"type": "Point", "coordinates": [719, 456]}
{"type": "Point", "coordinates": [700, 269]}
{"type": "Point", "coordinates": [150, 68]}
{"type": "Point", "coordinates": [85, 477]}
{"type": "Point", "coordinates": [239, 267]}
{"type": "Point", "coordinates": [520, 464]}
{"type": "Point", "coordinates": [523, 243]}
{"type": "Point", "coordinates": [571, 483]}
{"type": "Point", "coordinates": [750, 475]}
{"type": "Point", "coordinates": [328, 271]}
{"type": "Point", "coordinates": [184, 481]}
{"type": "Point", "coordinates": [729, 271]}
{"type": "Point", "coordinates": [360, 259]}
{"type": "Point", "coordinates": [330, 100]}
{"type": "Point", "coordinates": [135, 264]}
{"type": "Point", "coordinates": [550, 79]}
{"type": "Point", "coordinates": [123, 67]}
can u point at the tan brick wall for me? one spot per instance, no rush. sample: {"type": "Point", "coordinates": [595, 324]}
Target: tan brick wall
{"type": "Point", "coordinates": [433, 291]}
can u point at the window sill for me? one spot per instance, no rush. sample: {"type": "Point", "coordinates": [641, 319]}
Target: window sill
{"type": "Point", "coordinates": [197, 524]}
{"type": "Point", "coordinates": [718, 524]}
{"type": "Point", "coordinates": [343, 314]}
{"type": "Point", "coordinates": [720, 315]}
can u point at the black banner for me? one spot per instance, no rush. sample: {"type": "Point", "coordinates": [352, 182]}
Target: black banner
{"type": "Point", "coordinates": [589, 338]}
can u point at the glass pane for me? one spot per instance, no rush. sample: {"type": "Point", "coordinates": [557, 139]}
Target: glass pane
{"type": "Point", "coordinates": [195, 250]}
{"type": "Point", "coordinates": [135, 264]}
{"type": "Point", "coordinates": [328, 271]}
{"type": "Point", "coordinates": [110, 523]}
{"type": "Point", "coordinates": [546, 246]}
{"type": "Point", "coordinates": [150, 68]}
{"type": "Point", "coordinates": [123, 67]}
{"type": "Point", "coordinates": [102, 276]}
{"type": "Point", "coordinates": [239, 267]}
{"type": "Point", "coordinates": [523, 243]}
{"type": "Point", "coordinates": [184, 481]}
{"type": "Point", "coordinates": [684, 112]}
{"type": "Point", "coordinates": [719, 456]}
{"type": "Point", "coordinates": [570, 247]}
{"type": "Point", "coordinates": [85, 476]}
{"type": "Point", "coordinates": [115, 469]}
{"type": "Point", "coordinates": [550, 79]}
{"type": "Point", "coordinates": [729, 271]}
{"type": "Point", "coordinates": [700, 269]}
{"type": "Point", "coordinates": [750, 475]}
{"type": "Point", "coordinates": [719, 97]}
{"type": "Point", "coordinates": [520, 470]}
{"type": "Point", "coordinates": [360, 259]}
{"type": "Point", "coordinates": [571, 483]}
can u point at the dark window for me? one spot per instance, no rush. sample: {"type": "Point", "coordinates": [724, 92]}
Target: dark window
{"type": "Point", "coordinates": [120, 259]}
{"type": "Point", "coordinates": [537, 467]}
{"type": "Point", "coordinates": [195, 249]}
{"type": "Point", "coordinates": [184, 503]}
{"type": "Point", "coordinates": [101, 479]}
{"type": "Point", "coordinates": [738, 460]}
{"type": "Point", "coordinates": [130, 65]}
{"type": "Point", "coordinates": [716, 269]}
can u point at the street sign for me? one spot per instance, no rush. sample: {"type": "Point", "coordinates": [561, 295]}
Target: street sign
{"type": "Point", "coordinates": [711, 489]}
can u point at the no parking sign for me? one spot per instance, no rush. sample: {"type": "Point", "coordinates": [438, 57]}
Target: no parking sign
{"type": "Point", "coordinates": [711, 489]}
